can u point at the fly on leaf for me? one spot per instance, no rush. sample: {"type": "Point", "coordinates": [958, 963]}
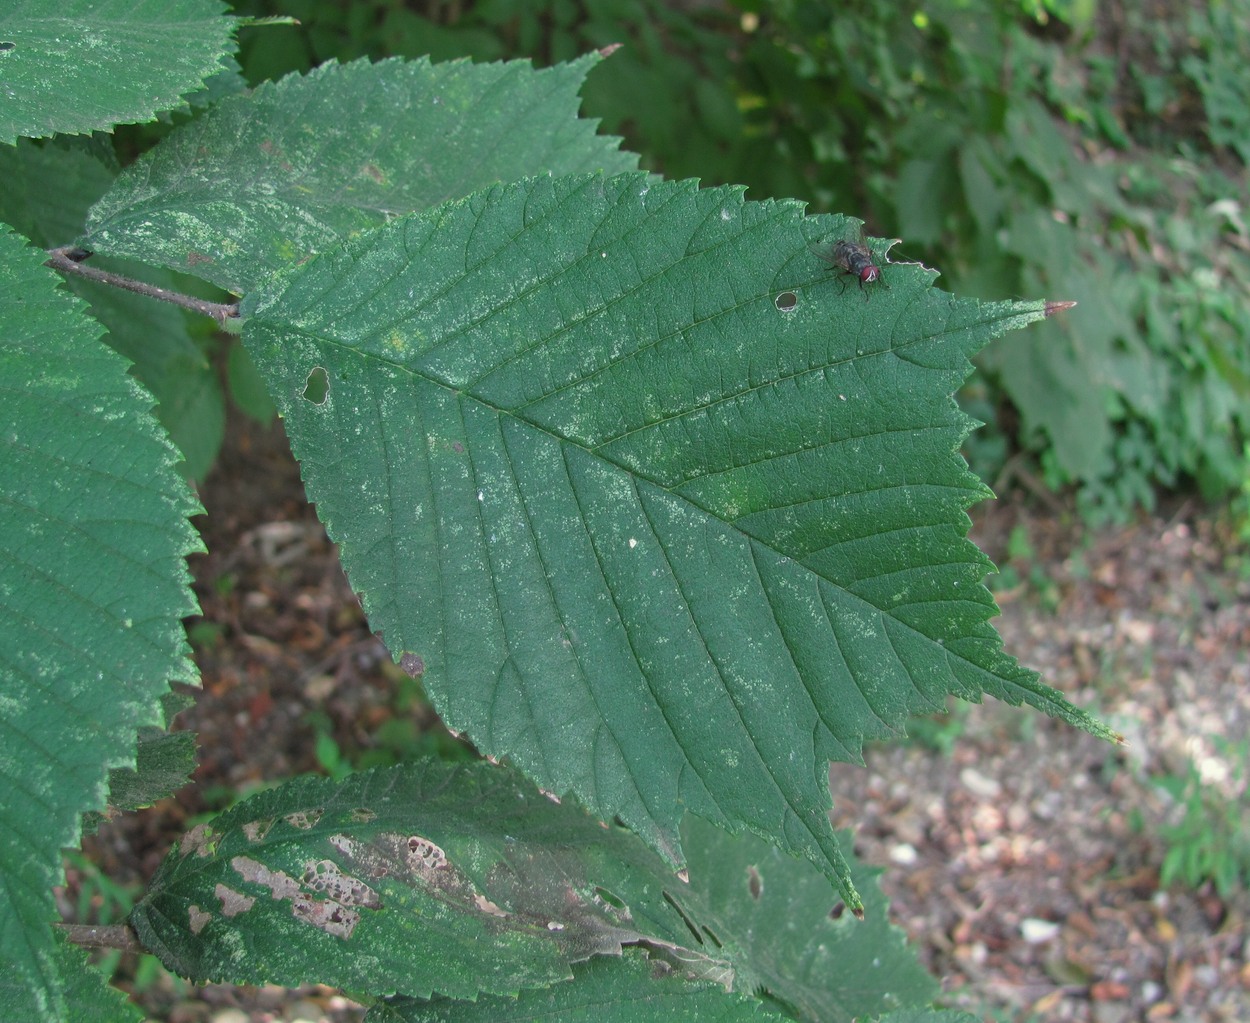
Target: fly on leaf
{"type": "Point", "coordinates": [853, 258]}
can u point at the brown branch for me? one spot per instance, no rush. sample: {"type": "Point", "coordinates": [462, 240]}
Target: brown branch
{"type": "Point", "coordinates": [112, 936]}
{"type": "Point", "coordinates": [68, 259]}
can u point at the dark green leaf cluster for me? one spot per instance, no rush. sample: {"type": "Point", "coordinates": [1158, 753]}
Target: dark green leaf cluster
{"type": "Point", "coordinates": [661, 516]}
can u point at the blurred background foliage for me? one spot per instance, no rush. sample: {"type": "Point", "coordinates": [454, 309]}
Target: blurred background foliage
{"type": "Point", "coordinates": [1093, 150]}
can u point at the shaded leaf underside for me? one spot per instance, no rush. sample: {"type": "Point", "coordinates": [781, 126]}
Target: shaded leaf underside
{"type": "Point", "coordinates": [658, 541]}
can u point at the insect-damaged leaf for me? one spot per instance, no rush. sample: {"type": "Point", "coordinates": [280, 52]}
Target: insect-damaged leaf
{"type": "Point", "coordinates": [456, 880]}
{"type": "Point", "coordinates": [664, 541]}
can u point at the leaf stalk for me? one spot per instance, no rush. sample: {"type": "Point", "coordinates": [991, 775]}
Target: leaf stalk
{"type": "Point", "coordinates": [69, 259]}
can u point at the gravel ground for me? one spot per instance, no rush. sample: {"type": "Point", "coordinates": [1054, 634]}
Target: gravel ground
{"type": "Point", "coordinates": [1025, 863]}
{"type": "Point", "coordinates": [1022, 856]}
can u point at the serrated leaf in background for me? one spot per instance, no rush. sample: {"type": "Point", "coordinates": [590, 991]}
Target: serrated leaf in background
{"type": "Point", "coordinates": [93, 584]}
{"type": "Point", "coordinates": [78, 66]}
{"type": "Point", "coordinates": [664, 515]}
{"type": "Point", "coordinates": [413, 878]}
{"type": "Point", "coordinates": [603, 990]}
{"type": "Point", "coordinates": [153, 335]}
{"type": "Point", "coordinates": [261, 182]}
{"type": "Point", "coordinates": [163, 764]}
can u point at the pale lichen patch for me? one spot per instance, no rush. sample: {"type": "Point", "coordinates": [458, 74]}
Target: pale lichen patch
{"type": "Point", "coordinates": [255, 831]}
{"type": "Point", "coordinates": [305, 819]}
{"type": "Point", "coordinates": [197, 918]}
{"type": "Point", "coordinates": [233, 903]}
{"type": "Point", "coordinates": [198, 840]}
{"type": "Point", "coordinates": [332, 914]}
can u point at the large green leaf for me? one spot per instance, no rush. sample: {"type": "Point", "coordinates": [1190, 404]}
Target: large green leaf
{"type": "Point", "coordinates": [93, 584]}
{"type": "Point", "coordinates": [460, 880]}
{"type": "Point", "coordinates": [663, 514]}
{"type": "Point", "coordinates": [77, 66]}
{"type": "Point", "coordinates": [264, 180]}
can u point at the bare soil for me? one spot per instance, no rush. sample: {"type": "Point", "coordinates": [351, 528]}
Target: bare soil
{"type": "Point", "coordinates": [1022, 857]}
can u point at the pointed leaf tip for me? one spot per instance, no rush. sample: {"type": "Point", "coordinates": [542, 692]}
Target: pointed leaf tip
{"type": "Point", "coordinates": [611, 48]}
{"type": "Point", "coordinates": [1057, 307]}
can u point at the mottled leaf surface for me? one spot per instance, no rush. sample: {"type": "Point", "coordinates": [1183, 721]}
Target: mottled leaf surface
{"type": "Point", "coordinates": [262, 181]}
{"type": "Point", "coordinates": [93, 584]}
{"type": "Point", "coordinates": [77, 66]}
{"type": "Point", "coordinates": [461, 880]}
{"type": "Point", "coordinates": [662, 513]}
{"type": "Point", "coordinates": [426, 878]}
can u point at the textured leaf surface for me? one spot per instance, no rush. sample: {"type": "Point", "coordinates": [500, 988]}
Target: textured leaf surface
{"type": "Point", "coordinates": [425, 878]}
{"type": "Point", "coordinates": [264, 180]}
{"type": "Point", "coordinates": [465, 879]}
{"type": "Point", "coordinates": [658, 541]}
{"type": "Point", "coordinates": [153, 335]}
{"type": "Point", "coordinates": [602, 991]}
{"type": "Point", "coordinates": [77, 66]}
{"type": "Point", "coordinates": [93, 584]}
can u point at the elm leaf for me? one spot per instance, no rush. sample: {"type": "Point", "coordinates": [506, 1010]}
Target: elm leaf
{"type": "Point", "coordinates": [662, 513]}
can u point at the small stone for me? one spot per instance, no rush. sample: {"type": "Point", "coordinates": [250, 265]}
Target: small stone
{"type": "Point", "coordinates": [1036, 931]}
{"type": "Point", "coordinates": [979, 785]}
{"type": "Point", "coordinates": [904, 854]}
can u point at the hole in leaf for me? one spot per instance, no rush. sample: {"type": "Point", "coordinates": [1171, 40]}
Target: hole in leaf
{"type": "Point", "coordinates": [317, 386]}
{"type": "Point", "coordinates": [786, 301]}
